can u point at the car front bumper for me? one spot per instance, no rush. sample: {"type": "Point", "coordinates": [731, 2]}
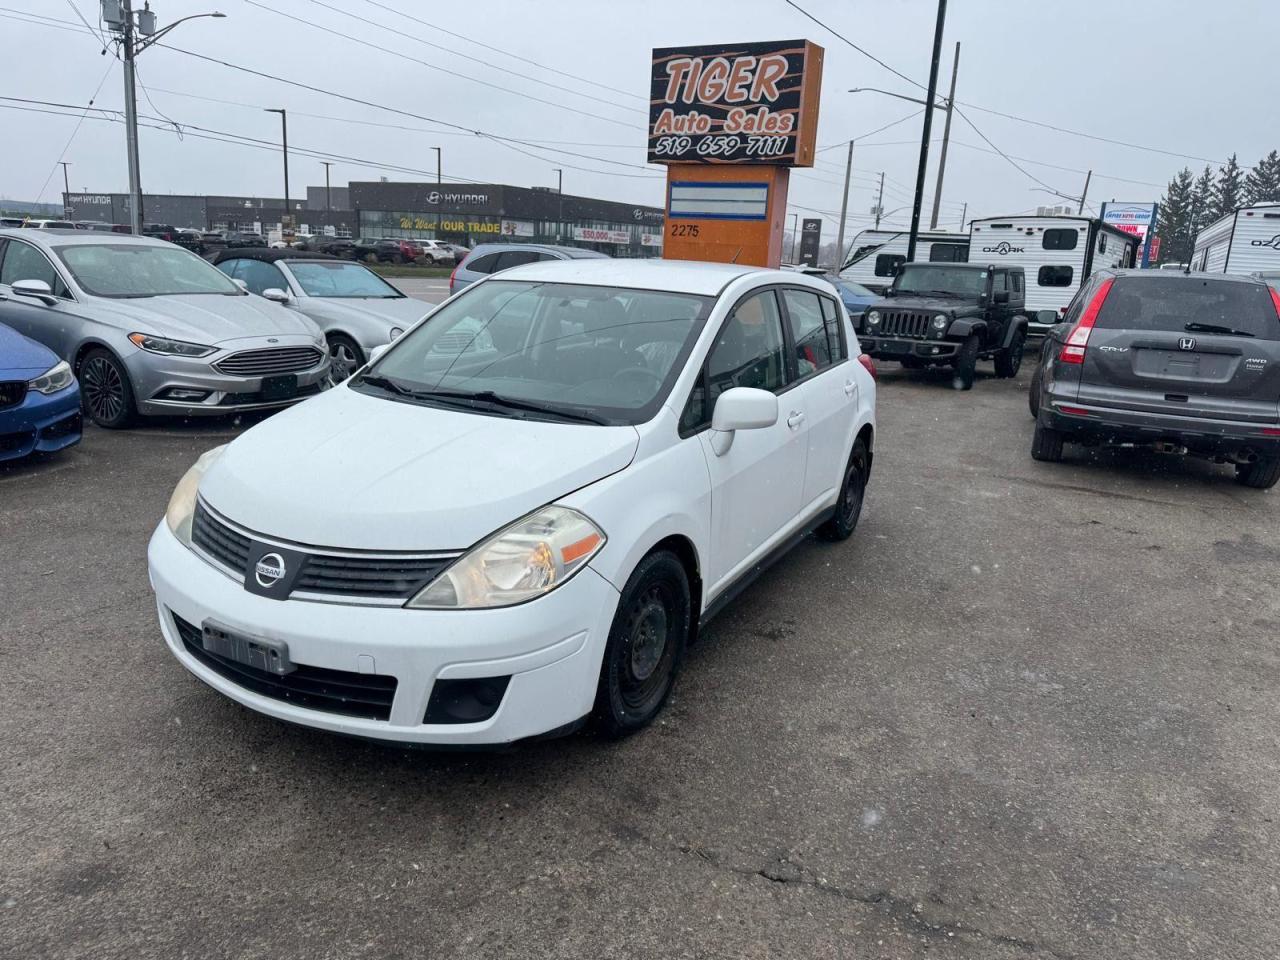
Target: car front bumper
{"type": "Point", "coordinates": [551, 648]}
{"type": "Point", "coordinates": [895, 348]}
{"type": "Point", "coordinates": [42, 422]}
{"type": "Point", "coordinates": [1230, 439]}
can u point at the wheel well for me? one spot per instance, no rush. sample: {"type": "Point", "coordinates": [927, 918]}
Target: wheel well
{"type": "Point", "coordinates": [84, 350]}
{"type": "Point", "coordinates": [867, 436]}
{"type": "Point", "coordinates": [685, 551]}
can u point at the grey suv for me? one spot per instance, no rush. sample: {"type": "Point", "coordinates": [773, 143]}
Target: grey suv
{"type": "Point", "coordinates": [489, 258]}
{"type": "Point", "coordinates": [1185, 363]}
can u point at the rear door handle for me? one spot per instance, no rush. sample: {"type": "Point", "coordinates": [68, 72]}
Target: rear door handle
{"type": "Point", "coordinates": [850, 388]}
{"type": "Point", "coordinates": [795, 419]}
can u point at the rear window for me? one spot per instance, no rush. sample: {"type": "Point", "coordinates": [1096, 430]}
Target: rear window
{"type": "Point", "coordinates": [483, 264]}
{"type": "Point", "coordinates": [1170, 303]}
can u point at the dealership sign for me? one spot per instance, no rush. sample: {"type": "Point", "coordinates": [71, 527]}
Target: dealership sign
{"type": "Point", "coordinates": [735, 103]}
{"type": "Point", "coordinates": [518, 228]}
{"type": "Point", "coordinates": [1138, 219]}
{"type": "Point", "coordinates": [594, 235]}
{"type": "Point", "coordinates": [650, 239]}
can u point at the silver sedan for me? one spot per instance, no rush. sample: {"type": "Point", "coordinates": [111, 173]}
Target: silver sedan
{"type": "Point", "coordinates": [151, 328]}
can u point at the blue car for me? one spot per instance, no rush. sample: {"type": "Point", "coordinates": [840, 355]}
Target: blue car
{"type": "Point", "coordinates": [39, 398]}
{"type": "Point", "coordinates": [856, 298]}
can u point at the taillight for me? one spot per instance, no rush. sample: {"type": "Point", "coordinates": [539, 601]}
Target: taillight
{"type": "Point", "coordinates": [868, 364]}
{"type": "Point", "coordinates": [1275, 300]}
{"type": "Point", "coordinates": [453, 273]}
{"type": "Point", "coordinates": [1078, 339]}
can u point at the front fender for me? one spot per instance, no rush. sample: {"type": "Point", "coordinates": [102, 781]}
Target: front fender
{"type": "Point", "coordinates": [965, 326]}
{"type": "Point", "coordinates": [1016, 324]}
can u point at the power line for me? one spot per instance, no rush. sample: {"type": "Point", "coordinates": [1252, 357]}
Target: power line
{"type": "Point", "coordinates": [66, 146]}
{"type": "Point", "coordinates": [865, 53]}
{"type": "Point", "coordinates": [1013, 163]}
{"type": "Point", "coordinates": [870, 133]}
{"type": "Point", "coordinates": [432, 66]}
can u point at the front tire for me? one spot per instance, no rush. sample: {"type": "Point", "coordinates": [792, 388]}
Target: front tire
{"type": "Point", "coordinates": [345, 356]}
{"type": "Point", "coordinates": [852, 492]}
{"type": "Point", "coordinates": [1260, 475]}
{"type": "Point", "coordinates": [646, 645]}
{"type": "Point", "coordinates": [106, 392]}
{"type": "Point", "coordinates": [966, 363]}
{"type": "Point", "coordinates": [1009, 360]}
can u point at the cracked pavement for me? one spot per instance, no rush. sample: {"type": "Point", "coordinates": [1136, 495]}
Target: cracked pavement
{"type": "Point", "coordinates": [1028, 711]}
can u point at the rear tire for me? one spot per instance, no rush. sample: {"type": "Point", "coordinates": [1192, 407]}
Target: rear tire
{"type": "Point", "coordinates": [966, 363]}
{"type": "Point", "coordinates": [107, 394]}
{"type": "Point", "coordinates": [1033, 396]}
{"type": "Point", "coordinates": [1009, 360]}
{"type": "Point", "coordinates": [645, 647]}
{"type": "Point", "coordinates": [1261, 475]}
{"type": "Point", "coordinates": [852, 491]}
{"type": "Point", "coordinates": [1046, 445]}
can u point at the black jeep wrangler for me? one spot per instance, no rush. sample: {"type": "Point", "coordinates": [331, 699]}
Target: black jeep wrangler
{"type": "Point", "coordinates": [950, 313]}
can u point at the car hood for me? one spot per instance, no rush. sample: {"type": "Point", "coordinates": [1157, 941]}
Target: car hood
{"type": "Point", "coordinates": [939, 304]}
{"type": "Point", "coordinates": [385, 312]}
{"type": "Point", "coordinates": [349, 470]}
{"type": "Point", "coordinates": [204, 318]}
{"type": "Point", "coordinates": [21, 358]}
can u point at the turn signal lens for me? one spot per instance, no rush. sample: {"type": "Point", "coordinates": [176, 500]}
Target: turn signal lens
{"type": "Point", "coordinates": [531, 557]}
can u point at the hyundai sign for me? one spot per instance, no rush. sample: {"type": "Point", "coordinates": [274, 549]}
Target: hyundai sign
{"type": "Point", "coordinates": [1138, 219]}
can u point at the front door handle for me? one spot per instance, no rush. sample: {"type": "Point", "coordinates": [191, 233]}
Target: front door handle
{"type": "Point", "coordinates": [850, 388]}
{"type": "Point", "coordinates": [795, 419]}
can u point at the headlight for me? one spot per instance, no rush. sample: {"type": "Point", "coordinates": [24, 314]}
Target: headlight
{"type": "Point", "coordinates": [873, 317]}
{"type": "Point", "coordinates": [173, 348]}
{"type": "Point", "coordinates": [58, 377]}
{"type": "Point", "coordinates": [531, 557]}
{"type": "Point", "coordinates": [182, 505]}
{"type": "Point", "coordinates": [940, 322]}
{"type": "Point", "coordinates": [396, 331]}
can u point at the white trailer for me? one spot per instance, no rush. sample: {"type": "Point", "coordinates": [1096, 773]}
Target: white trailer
{"type": "Point", "coordinates": [1245, 241]}
{"type": "Point", "coordinates": [876, 255]}
{"type": "Point", "coordinates": [1057, 254]}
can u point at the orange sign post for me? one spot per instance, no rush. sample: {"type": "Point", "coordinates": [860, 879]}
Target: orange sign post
{"type": "Point", "coordinates": [729, 121]}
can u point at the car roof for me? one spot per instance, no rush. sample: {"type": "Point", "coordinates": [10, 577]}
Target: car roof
{"type": "Point", "coordinates": [71, 238]}
{"type": "Point", "coordinates": [1149, 274]}
{"type": "Point", "coordinates": [269, 254]}
{"type": "Point", "coordinates": [574, 253]}
{"type": "Point", "coordinates": [677, 276]}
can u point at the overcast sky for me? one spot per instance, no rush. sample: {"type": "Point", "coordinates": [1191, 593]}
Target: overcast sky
{"type": "Point", "coordinates": [1140, 72]}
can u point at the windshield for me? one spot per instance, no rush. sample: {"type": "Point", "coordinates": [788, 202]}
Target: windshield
{"type": "Point", "coordinates": [135, 270]}
{"type": "Point", "coordinates": [565, 351]}
{"type": "Point", "coordinates": [945, 281]}
{"type": "Point", "coordinates": [326, 279]}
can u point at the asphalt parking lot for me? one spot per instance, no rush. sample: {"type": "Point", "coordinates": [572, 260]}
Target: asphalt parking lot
{"type": "Point", "coordinates": [1029, 710]}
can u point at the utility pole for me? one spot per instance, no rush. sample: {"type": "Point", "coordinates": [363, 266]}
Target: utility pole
{"type": "Point", "coordinates": [284, 140]}
{"type": "Point", "coordinates": [66, 190]}
{"type": "Point", "coordinates": [439, 179]}
{"type": "Point", "coordinates": [880, 201]}
{"type": "Point", "coordinates": [120, 19]}
{"type": "Point", "coordinates": [844, 206]}
{"type": "Point", "coordinates": [1084, 193]}
{"type": "Point", "coordinates": [326, 164]}
{"type": "Point", "coordinates": [946, 138]}
{"type": "Point", "coordinates": [795, 226]}
{"type": "Point", "coordinates": [560, 193]}
{"type": "Point", "coordinates": [963, 215]}
{"type": "Point", "coordinates": [930, 98]}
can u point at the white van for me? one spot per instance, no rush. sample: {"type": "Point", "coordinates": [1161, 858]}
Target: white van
{"type": "Point", "coordinates": [1057, 254]}
{"type": "Point", "coordinates": [1247, 240]}
{"type": "Point", "coordinates": [877, 254]}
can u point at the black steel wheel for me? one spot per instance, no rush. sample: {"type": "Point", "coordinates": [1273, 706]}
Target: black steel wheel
{"type": "Point", "coordinates": [345, 356]}
{"type": "Point", "coordinates": [852, 491]}
{"type": "Point", "coordinates": [646, 645]}
{"type": "Point", "coordinates": [105, 391]}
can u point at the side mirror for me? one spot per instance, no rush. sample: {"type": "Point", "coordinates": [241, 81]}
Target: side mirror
{"type": "Point", "coordinates": [276, 295]}
{"type": "Point", "coordinates": [1047, 316]}
{"type": "Point", "coordinates": [377, 352]}
{"type": "Point", "coordinates": [33, 288]}
{"type": "Point", "coordinates": [1001, 296]}
{"type": "Point", "coordinates": [740, 408]}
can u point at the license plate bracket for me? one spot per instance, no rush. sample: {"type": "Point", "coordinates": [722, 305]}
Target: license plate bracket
{"type": "Point", "coordinates": [283, 387]}
{"type": "Point", "coordinates": [271, 656]}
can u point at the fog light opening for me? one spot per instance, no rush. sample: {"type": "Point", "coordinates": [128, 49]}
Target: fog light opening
{"type": "Point", "coordinates": [183, 395]}
{"type": "Point", "coordinates": [465, 701]}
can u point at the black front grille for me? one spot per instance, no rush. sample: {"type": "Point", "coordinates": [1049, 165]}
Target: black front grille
{"type": "Point", "coordinates": [270, 361]}
{"type": "Point", "coordinates": [902, 323]}
{"type": "Point", "coordinates": [345, 575]}
{"type": "Point", "coordinates": [12, 393]}
{"type": "Point", "coordinates": [367, 695]}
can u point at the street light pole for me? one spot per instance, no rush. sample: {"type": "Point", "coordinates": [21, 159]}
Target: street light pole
{"type": "Point", "coordinates": [844, 206]}
{"type": "Point", "coordinates": [931, 98]}
{"type": "Point", "coordinates": [326, 164]}
{"type": "Point", "coordinates": [1084, 193]}
{"type": "Point", "coordinates": [284, 141]}
{"type": "Point", "coordinates": [880, 201]}
{"type": "Point", "coordinates": [439, 180]}
{"type": "Point", "coordinates": [946, 138]}
{"type": "Point", "coordinates": [66, 189]}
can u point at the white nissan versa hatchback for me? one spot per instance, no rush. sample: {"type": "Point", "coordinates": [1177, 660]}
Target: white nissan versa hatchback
{"type": "Point", "coordinates": [516, 517]}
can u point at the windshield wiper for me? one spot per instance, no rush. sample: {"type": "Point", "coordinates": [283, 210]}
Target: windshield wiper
{"type": "Point", "coordinates": [1214, 328]}
{"type": "Point", "coordinates": [375, 380]}
{"type": "Point", "coordinates": [492, 399]}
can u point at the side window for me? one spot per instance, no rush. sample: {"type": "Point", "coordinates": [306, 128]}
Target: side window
{"type": "Point", "coordinates": [513, 258]}
{"type": "Point", "coordinates": [24, 262]}
{"type": "Point", "coordinates": [1060, 239]}
{"type": "Point", "coordinates": [259, 276]}
{"type": "Point", "coordinates": [808, 332]}
{"type": "Point", "coordinates": [748, 352]}
{"type": "Point", "coordinates": [1055, 276]}
{"type": "Point", "coordinates": [835, 330]}
{"type": "Point", "coordinates": [1076, 306]}
{"type": "Point", "coordinates": [483, 264]}
{"type": "Point", "coordinates": [1015, 281]}
{"type": "Point", "coordinates": [999, 282]}
{"type": "Point", "coordinates": [888, 264]}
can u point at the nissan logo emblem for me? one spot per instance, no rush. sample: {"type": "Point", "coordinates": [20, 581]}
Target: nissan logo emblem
{"type": "Point", "coordinates": [269, 570]}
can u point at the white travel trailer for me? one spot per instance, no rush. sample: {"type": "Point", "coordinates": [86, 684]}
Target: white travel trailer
{"type": "Point", "coordinates": [877, 254]}
{"type": "Point", "coordinates": [1057, 254]}
{"type": "Point", "coordinates": [1246, 240]}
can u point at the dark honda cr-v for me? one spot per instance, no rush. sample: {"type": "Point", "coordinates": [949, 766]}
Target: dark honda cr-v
{"type": "Point", "coordinates": [1183, 362]}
